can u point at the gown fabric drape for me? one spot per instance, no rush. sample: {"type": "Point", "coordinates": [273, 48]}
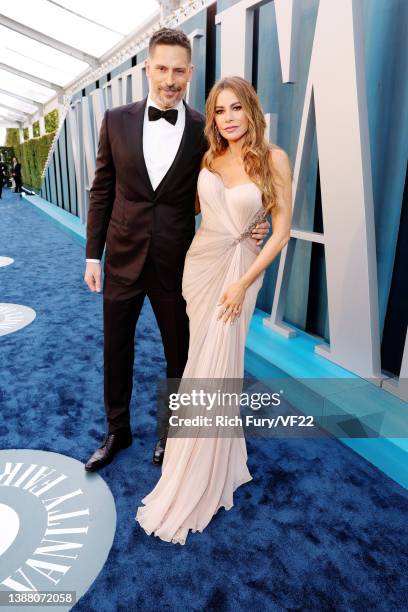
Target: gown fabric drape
{"type": "Point", "coordinates": [200, 474]}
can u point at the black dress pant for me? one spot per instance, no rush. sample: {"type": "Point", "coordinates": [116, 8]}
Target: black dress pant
{"type": "Point", "coordinates": [121, 308]}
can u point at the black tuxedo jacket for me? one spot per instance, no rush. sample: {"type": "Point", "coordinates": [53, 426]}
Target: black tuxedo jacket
{"type": "Point", "coordinates": [16, 170]}
{"type": "Point", "coordinates": [127, 214]}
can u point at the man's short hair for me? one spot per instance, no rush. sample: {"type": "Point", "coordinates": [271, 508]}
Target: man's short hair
{"type": "Point", "coordinates": [170, 36]}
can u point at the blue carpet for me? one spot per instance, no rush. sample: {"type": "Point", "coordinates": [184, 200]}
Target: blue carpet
{"type": "Point", "coordinates": [318, 529]}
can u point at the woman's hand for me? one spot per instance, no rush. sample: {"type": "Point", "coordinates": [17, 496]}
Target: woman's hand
{"type": "Point", "coordinates": [231, 302]}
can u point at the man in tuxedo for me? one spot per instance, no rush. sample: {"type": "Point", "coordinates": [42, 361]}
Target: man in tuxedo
{"type": "Point", "coordinates": [142, 205]}
{"type": "Point", "coordinates": [2, 175]}
{"type": "Point", "coordinates": [16, 174]}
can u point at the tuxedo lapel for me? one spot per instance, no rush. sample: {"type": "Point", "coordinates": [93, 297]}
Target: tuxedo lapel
{"type": "Point", "coordinates": [133, 133]}
{"type": "Point", "coordinates": [133, 128]}
{"type": "Point", "coordinates": [183, 152]}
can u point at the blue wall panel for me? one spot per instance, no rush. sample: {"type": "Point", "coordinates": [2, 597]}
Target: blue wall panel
{"type": "Point", "coordinates": [386, 50]}
{"type": "Point", "coordinates": [51, 182]}
{"type": "Point", "coordinates": [71, 172]}
{"type": "Point", "coordinates": [64, 173]}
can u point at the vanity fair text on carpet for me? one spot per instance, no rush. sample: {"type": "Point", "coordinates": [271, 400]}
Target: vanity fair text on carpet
{"type": "Point", "coordinates": [52, 559]}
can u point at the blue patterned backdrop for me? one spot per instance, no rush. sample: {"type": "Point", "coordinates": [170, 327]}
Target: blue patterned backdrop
{"type": "Point", "coordinates": [386, 50]}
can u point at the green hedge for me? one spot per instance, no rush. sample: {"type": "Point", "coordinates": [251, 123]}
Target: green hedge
{"type": "Point", "coordinates": [12, 137]}
{"type": "Point", "coordinates": [6, 155]}
{"type": "Point", "coordinates": [51, 121]}
{"type": "Point", "coordinates": [32, 154]}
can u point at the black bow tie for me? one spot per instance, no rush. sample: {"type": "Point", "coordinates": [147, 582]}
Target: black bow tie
{"type": "Point", "coordinates": [169, 115]}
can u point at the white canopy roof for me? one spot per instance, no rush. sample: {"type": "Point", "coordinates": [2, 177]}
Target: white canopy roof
{"type": "Point", "coordinates": [46, 44]}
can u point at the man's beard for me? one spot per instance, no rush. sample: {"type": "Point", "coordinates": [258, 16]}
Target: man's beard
{"type": "Point", "coordinates": [166, 102]}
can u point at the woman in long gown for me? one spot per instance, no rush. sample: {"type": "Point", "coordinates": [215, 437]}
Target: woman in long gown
{"type": "Point", "coordinates": [242, 180]}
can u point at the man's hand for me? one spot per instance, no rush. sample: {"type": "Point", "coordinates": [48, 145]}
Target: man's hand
{"type": "Point", "coordinates": [260, 231]}
{"type": "Point", "coordinates": [93, 276]}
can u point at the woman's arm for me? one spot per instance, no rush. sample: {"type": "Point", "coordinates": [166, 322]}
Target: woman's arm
{"type": "Point", "coordinates": [234, 296]}
{"type": "Point", "coordinates": [281, 220]}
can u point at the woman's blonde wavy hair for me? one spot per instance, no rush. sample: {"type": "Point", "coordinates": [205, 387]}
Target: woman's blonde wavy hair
{"type": "Point", "coordinates": [256, 150]}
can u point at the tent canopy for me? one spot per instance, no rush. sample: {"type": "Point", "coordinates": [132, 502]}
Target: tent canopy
{"type": "Point", "coordinates": [46, 44]}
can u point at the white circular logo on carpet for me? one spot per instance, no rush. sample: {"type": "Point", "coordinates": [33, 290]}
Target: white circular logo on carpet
{"type": "Point", "coordinates": [14, 317]}
{"type": "Point", "coordinates": [5, 261]}
{"type": "Point", "coordinates": [57, 524]}
{"type": "Point", "coordinates": [10, 526]}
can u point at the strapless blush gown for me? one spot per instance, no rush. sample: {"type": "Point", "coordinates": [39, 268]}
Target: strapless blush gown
{"type": "Point", "coordinates": [200, 474]}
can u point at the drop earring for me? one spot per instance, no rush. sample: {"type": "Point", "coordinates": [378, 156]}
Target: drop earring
{"type": "Point", "coordinates": [217, 136]}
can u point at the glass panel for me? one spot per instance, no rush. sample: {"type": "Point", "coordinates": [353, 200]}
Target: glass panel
{"type": "Point", "coordinates": [93, 27]}
{"type": "Point", "coordinates": [38, 59]}
{"type": "Point", "coordinates": [17, 104]}
{"type": "Point", "coordinates": [126, 17]}
{"type": "Point", "coordinates": [50, 18]}
{"type": "Point", "coordinates": [24, 87]}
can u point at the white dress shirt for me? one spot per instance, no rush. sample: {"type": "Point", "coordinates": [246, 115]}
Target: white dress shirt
{"type": "Point", "coordinates": [161, 141]}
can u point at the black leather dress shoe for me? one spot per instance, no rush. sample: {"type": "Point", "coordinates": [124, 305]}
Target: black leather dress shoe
{"type": "Point", "coordinates": [105, 453]}
{"type": "Point", "coordinates": [159, 449]}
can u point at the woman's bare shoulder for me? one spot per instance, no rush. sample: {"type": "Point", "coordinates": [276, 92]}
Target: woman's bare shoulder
{"type": "Point", "coordinates": [280, 160]}
{"type": "Point", "coordinates": [278, 155]}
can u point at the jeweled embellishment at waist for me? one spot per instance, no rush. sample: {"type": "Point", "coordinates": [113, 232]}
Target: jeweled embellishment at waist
{"type": "Point", "coordinates": [259, 218]}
